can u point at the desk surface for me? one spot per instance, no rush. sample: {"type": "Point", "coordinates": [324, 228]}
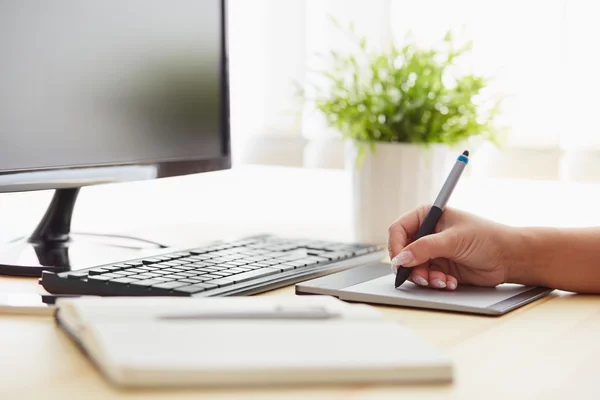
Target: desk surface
{"type": "Point", "coordinates": [546, 349]}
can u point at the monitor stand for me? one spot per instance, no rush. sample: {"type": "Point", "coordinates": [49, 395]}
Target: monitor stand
{"type": "Point", "coordinates": [52, 246]}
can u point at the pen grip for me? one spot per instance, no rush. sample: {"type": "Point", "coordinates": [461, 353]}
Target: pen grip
{"type": "Point", "coordinates": [431, 220]}
{"type": "Point", "coordinates": [426, 228]}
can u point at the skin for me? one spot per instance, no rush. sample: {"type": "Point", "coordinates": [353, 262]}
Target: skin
{"type": "Point", "coordinates": [469, 250]}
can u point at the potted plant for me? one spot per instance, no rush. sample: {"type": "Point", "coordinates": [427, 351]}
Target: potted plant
{"type": "Point", "coordinates": [401, 109]}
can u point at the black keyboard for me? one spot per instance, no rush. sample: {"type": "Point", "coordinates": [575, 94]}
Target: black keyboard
{"type": "Point", "coordinates": [247, 266]}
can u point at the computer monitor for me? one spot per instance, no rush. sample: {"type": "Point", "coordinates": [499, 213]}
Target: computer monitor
{"type": "Point", "coordinates": [94, 92]}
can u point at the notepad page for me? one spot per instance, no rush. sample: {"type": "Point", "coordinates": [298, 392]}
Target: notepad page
{"type": "Point", "coordinates": [231, 346]}
{"type": "Point", "coordinates": [129, 309]}
{"type": "Point", "coordinates": [470, 296]}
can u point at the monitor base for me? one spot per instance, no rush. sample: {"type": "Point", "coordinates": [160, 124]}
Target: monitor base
{"type": "Point", "coordinates": [23, 258]}
{"type": "Point", "coordinates": [52, 247]}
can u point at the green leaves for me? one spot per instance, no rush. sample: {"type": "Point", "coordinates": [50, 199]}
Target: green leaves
{"type": "Point", "coordinates": [404, 94]}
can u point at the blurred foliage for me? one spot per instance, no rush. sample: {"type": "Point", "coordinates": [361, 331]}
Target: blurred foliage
{"type": "Point", "coordinates": [403, 94]}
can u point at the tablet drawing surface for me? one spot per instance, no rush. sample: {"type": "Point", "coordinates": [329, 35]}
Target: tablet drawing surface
{"type": "Point", "coordinates": [463, 295]}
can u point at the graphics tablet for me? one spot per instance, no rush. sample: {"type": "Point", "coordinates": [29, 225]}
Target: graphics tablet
{"type": "Point", "coordinates": [374, 283]}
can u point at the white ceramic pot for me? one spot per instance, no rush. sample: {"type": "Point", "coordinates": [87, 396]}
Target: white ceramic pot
{"type": "Point", "coordinates": [395, 179]}
{"type": "Point", "coordinates": [580, 165]}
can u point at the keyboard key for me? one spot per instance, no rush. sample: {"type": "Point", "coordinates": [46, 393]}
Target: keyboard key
{"type": "Point", "coordinates": [167, 264]}
{"type": "Point", "coordinates": [151, 260]}
{"type": "Point", "coordinates": [191, 289]}
{"type": "Point", "coordinates": [123, 273]}
{"type": "Point", "coordinates": [188, 280]}
{"type": "Point", "coordinates": [170, 270]}
{"type": "Point", "coordinates": [136, 270]}
{"type": "Point", "coordinates": [334, 256]}
{"type": "Point", "coordinates": [210, 276]}
{"type": "Point", "coordinates": [149, 268]}
{"type": "Point", "coordinates": [198, 279]}
{"type": "Point", "coordinates": [178, 269]}
{"type": "Point", "coordinates": [146, 282]}
{"type": "Point", "coordinates": [256, 265]}
{"type": "Point", "coordinates": [297, 263]}
{"type": "Point", "coordinates": [285, 267]}
{"type": "Point", "coordinates": [239, 270]}
{"type": "Point", "coordinates": [142, 276]}
{"type": "Point", "coordinates": [170, 285]}
{"type": "Point", "coordinates": [222, 282]}
{"type": "Point", "coordinates": [255, 258]}
{"type": "Point", "coordinates": [187, 273]}
{"type": "Point", "coordinates": [272, 262]}
{"type": "Point", "coordinates": [239, 262]}
{"type": "Point", "coordinates": [198, 265]}
{"type": "Point", "coordinates": [99, 278]}
{"type": "Point", "coordinates": [198, 287]}
{"type": "Point", "coordinates": [202, 271]}
{"type": "Point", "coordinates": [111, 275]}
{"type": "Point", "coordinates": [174, 263]}
{"type": "Point", "coordinates": [230, 266]}
{"type": "Point", "coordinates": [316, 260]}
{"type": "Point", "coordinates": [133, 264]}
{"type": "Point", "coordinates": [120, 266]}
{"type": "Point", "coordinates": [97, 271]}
{"type": "Point", "coordinates": [316, 252]}
{"type": "Point", "coordinates": [77, 275]}
{"type": "Point", "coordinates": [123, 280]}
{"type": "Point", "coordinates": [111, 268]}
{"type": "Point", "coordinates": [223, 273]}
{"type": "Point", "coordinates": [199, 251]}
{"type": "Point", "coordinates": [294, 256]}
{"type": "Point", "coordinates": [181, 254]}
{"type": "Point", "coordinates": [259, 273]}
{"type": "Point", "coordinates": [163, 279]}
{"type": "Point", "coordinates": [174, 276]}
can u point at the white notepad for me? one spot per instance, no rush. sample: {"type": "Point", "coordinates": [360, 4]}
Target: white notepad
{"type": "Point", "coordinates": [143, 342]}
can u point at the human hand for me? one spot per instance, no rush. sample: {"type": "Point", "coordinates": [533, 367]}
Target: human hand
{"type": "Point", "coordinates": [463, 249]}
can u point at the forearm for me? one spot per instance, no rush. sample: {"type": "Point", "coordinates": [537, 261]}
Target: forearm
{"type": "Point", "coordinates": [567, 259]}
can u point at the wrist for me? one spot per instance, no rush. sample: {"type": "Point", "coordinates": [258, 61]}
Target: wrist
{"type": "Point", "coordinates": [525, 256]}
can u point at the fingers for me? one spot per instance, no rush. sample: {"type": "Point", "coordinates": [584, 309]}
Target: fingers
{"type": "Point", "coordinates": [438, 245]}
{"type": "Point", "coordinates": [451, 282]}
{"type": "Point", "coordinates": [420, 276]}
{"type": "Point", "coordinates": [405, 227]}
{"type": "Point", "coordinates": [437, 279]}
{"type": "Point", "coordinates": [423, 276]}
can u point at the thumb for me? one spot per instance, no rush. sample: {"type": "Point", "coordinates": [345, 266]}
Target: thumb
{"type": "Point", "coordinates": [439, 245]}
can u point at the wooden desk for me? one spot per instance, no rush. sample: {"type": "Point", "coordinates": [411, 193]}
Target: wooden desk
{"type": "Point", "coordinates": [547, 349]}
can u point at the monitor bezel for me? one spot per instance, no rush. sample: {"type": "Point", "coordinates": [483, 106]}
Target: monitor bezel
{"type": "Point", "coordinates": [93, 174]}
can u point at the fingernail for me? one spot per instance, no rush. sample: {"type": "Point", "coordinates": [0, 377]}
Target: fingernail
{"type": "Point", "coordinates": [419, 280]}
{"type": "Point", "coordinates": [405, 258]}
{"type": "Point", "coordinates": [438, 284]}
{"type": "Point", "coordinates": [451, 285]}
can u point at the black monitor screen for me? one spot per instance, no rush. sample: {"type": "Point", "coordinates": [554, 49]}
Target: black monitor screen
{"type": "Point", "coordinates": [109, 82]}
